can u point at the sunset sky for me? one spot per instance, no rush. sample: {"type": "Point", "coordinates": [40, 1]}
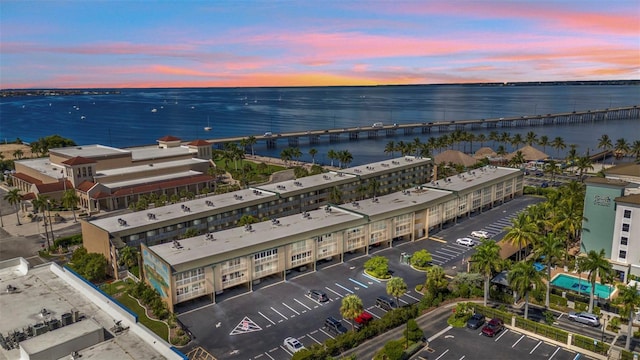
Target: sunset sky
{"type": "Point", "coordinates": [79, 44]}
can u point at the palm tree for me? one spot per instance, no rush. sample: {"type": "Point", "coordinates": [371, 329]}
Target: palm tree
{"type": "Point", "coordinates": [495, 137]}
{"type": "Point", "coordinates": [396, 287]}
{"type": "Point", "coordinates": [390, 148]}
{"type": "Point", "coordinates": [531, 138]}
{"type": "Point", "coordinates": [583, 163]}
{"type": "Point", "coordinates": [630, 299]}
{"type": "Point", "coordinates": [332, 155]}
{"type": "Point", "coordinates": [40, 205]}
{"type": "Point", "coordinates": [635, 150]}
{"type": "Point", "coordinates": [516, 140]}
{"type": "Point", "coordinates": [486, 260]}
{"type": "Point", "coordinates": [481, 138]}
{"type": "Point", "coordinates": [605, 144]}
{"type": "Point", "coordinates": [351, 307]}
{"type": "Point", "coordinates": [286, 155]}
{"type": "Point", "coordinates": [251, 140]}
{"type": "Point", "coordinates": [596, 264]}
{"type": "Point", "coordinates": [70, 200]}
{"type": "Point", "coordinates": [505, 138]}
{"type": "Point", "coordinates": [552, 168]}
{"type": "Point", "coordinates": [374, 186]}
{"type": "Point", "coordinates": [568, 218]}
{"type": "Point", "coordinates": [544, 141]}
{"type": "Point", "coordinates": [313, 152]}
{"type": "Point", "coordinates": [522, 232]}
{"type": "Point", "coordinates": [501, 151]}
{"type": "Point", "coordinates": [551, 248]}
{"type": "Point", "coordinates": [558, 144]}
{"type": "Point", "coordinates": [128, 256]}
{"type": "Point", "coordinates": [518, 159]}
{"type": "Point", "coordinates": [622, 148]}
{"type": "Point", "coordinates": [345, 158]}
{"type": "Point", "coordinates": [335, 196]}
{"type": "Point", "coordinates": [14, 198]}
{"type": "Point", "coordinates": [572, 154]}
{"type": "Point", "coordinates": [523, 278]}
{"type": "Point", "coordinates": [18, 154]}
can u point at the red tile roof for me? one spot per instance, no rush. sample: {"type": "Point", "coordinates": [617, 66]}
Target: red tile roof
{"type": "Point", "coordinates": [169, 138]}
{"type": "Point", "coordinates": [78, 160]}
{"type": "Point", "coordinates": [29, 196]}
{"type": "Point", "coordinates": [27, 178]}
{"type": "Point", "coordinates": [86, 185]}
{"type": "Point", "coordinates": [53, 187]}
{"type": "Point", "coordinates": [199, 143]}
{"type": "Point", "coordinates": [142, 189]}
{"type": "Point", "coordinates": [101, 195]}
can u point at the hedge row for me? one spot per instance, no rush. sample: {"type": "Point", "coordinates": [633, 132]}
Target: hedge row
{"type": "Point", "coordinates": [590, 344]}
{"type": "Point", "coordinates": [492, 313]}
{"type": "Point", "coordinates": [542, 329]}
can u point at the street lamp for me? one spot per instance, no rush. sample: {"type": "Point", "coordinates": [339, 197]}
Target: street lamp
{"type": "Point", "coordinates": [605, 317]}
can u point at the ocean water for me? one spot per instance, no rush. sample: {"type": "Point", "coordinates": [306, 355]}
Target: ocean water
{"type": "Point", "coordinates": [140, 116]}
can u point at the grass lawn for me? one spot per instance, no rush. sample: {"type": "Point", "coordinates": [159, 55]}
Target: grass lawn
{"type": "Point", "coordinates": [158, 327]}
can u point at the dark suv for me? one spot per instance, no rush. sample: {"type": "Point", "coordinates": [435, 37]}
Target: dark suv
{"type": "Point", "coordinates": [386, 303]}
{"type": "Point", "coordinates": [317, 295]}
{"type": "Point", "coordinates": [335, 325]}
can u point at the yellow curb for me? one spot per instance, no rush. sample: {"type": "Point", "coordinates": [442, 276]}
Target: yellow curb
{"type": "Point", "coordinates": [437, 239]}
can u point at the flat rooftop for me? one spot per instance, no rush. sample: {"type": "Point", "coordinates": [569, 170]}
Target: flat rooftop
{"type": "Point", "coordinates": [88, 151]}
{"type": "Point", "coordinates": [200, 247]}
{"type": "Point", "coordinates": [40, 288]}
{"type": "Point", "coordinates": [149, 179]}
{"type": "Point", "coordinates": [154, 152]}
{"type": "Point", "coordinates": [290, 187]}
{"type": "Point", "coordinates": [138, 169]}
{"type": "Point", "coordinates": [472, 178]}
{"type": "Point", "coordinates": [43, 166]}
{"type": "Point", "coordinates": [196, 207]}
{"type": "Point", "coordinates": [418, 196]}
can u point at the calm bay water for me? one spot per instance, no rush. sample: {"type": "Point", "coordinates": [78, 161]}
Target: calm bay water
{"type": "Point", "coordinates": [140, 116]}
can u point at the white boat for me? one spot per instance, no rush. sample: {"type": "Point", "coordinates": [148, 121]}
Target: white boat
{"type": "Point", "coordinates": [208, 127]}
{"type": "Point", "coordinates": [154, 110]}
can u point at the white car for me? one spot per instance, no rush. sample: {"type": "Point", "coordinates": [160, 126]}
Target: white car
{"type": "Point", "coordinates": [293, 345]}
{"type": "Point", "coordinates": [465, 241]}
{"type": "Point", "coordinates": [480, 234]}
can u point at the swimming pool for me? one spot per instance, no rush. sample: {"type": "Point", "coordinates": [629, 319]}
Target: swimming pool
{"type": "Point", "coordinates": [582, 286]}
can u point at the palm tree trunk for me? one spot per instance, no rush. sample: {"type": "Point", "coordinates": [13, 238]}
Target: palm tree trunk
{"type": "Point", "coordinates": [627, 344]}
{"type": "Point", "coordinates": [546, 300]}
{"type": "Point", "coordinates": [526, 306]}
{"type": "Point", "coordinates": [486, 289]}
{"type": "Point", "coordinates": [17, 214]}
{"type": "Point", "coordinates": [593, 288]}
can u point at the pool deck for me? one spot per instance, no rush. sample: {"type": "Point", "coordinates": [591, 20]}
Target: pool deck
{"type": "Point", "coordinates": [559, 270]}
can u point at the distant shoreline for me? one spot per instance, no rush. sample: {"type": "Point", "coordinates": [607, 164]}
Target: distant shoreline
{"type": "Point", "coordinates": [110, 91]}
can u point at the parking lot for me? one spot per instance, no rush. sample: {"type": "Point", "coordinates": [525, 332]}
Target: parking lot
{"type": "Point", "coordinates": [463, 343]}
{"type": "Point", "coordinates": [253, 325]}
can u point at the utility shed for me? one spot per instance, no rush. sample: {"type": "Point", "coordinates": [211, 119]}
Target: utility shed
{"type": "Point", "coordinates": [63, 341]}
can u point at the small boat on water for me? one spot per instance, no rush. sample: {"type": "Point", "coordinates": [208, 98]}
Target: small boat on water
{"type": "Point", "coordinates": [154, 110]}
{"type": "Point", "coordinates": [208, 127]}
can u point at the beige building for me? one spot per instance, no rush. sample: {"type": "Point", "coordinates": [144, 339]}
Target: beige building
{"type": "Point", "coordinates": [209, 264]}
{"type": "Point", "coordinates": [223, 211]}
{"type": "Point", "coordinates": [107, 178]}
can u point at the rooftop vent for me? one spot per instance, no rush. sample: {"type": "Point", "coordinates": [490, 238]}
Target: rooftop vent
{"type": "Point", "coordinates": [176, 244]}
{"type": "Point", "coordinates": [122, 222]}
{"type": "Point", "coordinates": [11, 289]}
{"type": "Point", "coordinates": [209, 203]}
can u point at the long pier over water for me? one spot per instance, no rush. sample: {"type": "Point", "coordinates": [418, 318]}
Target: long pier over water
{"type": "Point", "coordinates": [389, 130]}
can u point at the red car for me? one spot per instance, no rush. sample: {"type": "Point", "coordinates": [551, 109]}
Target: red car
{"type": "Point", "coordinates": [493, 327]}
{"type": "Point", "coordinates": [362, 320]}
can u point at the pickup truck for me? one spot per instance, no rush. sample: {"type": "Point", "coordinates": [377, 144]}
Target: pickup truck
{"type": "Point", "coordinates": [361, 320]}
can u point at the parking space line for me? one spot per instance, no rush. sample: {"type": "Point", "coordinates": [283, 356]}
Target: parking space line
{"type": "Point", "coordinates": [516, 343]}
{"type": "Point", "coordinates": [289, 307]}
{"type": "Point", "coordinates": [326, 333]}
{"type": "Point", "coordinates": [269, 320]}
{"type": "Point", "coordinates": [277, 312]}
{"type": "Point", "coordinates": [314, 339]}
{"type": "Point", "coordinates": [406, 302]}
{"type": "Point", "coordinates": [326, 287]}
{"type": "Point", "coordinates": [462, 357]}
{"type": "Point", "coordinates": [577, 356]}
{"type": "Point", "coordinates": [414, 298]}
{"type": "Point", "coordinates": [446, 251]}
{"type": "Point", "coordinates": [501, 335]}
{"type": "Point", "coordinates": [554, 353]}
{"type": "Point", "coordinates": [535, 347]}
{"type": "Point", "coordinates": [296, 300]}
{"type": "Point", "coordinates": [343, 288]}
{"type": "Point", "coordinates": [285, 350]}
{"type": "Point", "coordinates": [372, 313]}
{"type": "Point", "coordinates": [439, 256]}
{"type": "Point", "coordinates": [439, 334]}
{"type": "Point", "coordinates": [445, 255]}
{"type": "Point", "coordinates": [441, 355]}
{"type": "Point", "coordinates": [270, 357]}
{"type": "Point", "coordinates": [359, 283]}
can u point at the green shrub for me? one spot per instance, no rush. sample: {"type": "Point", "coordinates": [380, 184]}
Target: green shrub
{"type": "Point", "coordinates": [419, 288]}
{"type": "Point", "coordinates": [580, 306]}
{"type": "Point", "coordinates": [557, 300]}
{"type": "Point", "coordinates": [67, 241]}
{"type": "Point", "coordinates": [589, 344]}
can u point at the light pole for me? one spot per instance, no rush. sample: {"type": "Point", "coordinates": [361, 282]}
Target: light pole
{"type": "Point", "coordinates": [605, 317]}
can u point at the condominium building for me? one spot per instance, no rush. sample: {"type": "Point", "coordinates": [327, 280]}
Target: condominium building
{"type": "Point", "coordinates": [216, 261]}
{"type": "Point", "coordinates": [612, 218]}
{"type": "Point", "coordinates": [223, 211]}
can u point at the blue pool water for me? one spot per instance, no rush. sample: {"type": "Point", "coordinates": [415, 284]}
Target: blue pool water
{"type": "Point", "coordinates": [581, 285]}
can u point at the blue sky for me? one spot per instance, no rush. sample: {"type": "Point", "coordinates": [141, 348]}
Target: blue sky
{"type": "Point", "coordinates": [76, 44]}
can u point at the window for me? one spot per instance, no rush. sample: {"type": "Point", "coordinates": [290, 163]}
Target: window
{"type": "Point", "coordinates": [624, 240]}
{"type": "Point", "coordinates": [627, 214]}
{"type": "Point", "coordinates": [623, 254]}
{"type": "Point", "coordinates": [625, 227]}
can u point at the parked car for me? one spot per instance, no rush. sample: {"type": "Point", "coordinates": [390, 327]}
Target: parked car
{"type": "Point", "coordinates": [585, 318]}
{"type": "Point", "coordinates": [480, 234]}
{"type": "Point", "coordinates": [335, 325]}
{"type": "Point", "coordinates": [493, 327]}
{"type": "Point", "coordinates": [544, 185]}
{"type": "Point", "coordinates": [475, 321]}
{"type": "Point", "coordinates": [318, 295]}
{"type": "Point", "coordinates": [465, 241]}
{"type": "Point", "coordinates": [361, 320]}
{"type": "Point", "coordinates": [386, 303]}
{"type": "Point", "coordinates": [293, 345]}
{"type": "Point", "coordinates": [539, 173]}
